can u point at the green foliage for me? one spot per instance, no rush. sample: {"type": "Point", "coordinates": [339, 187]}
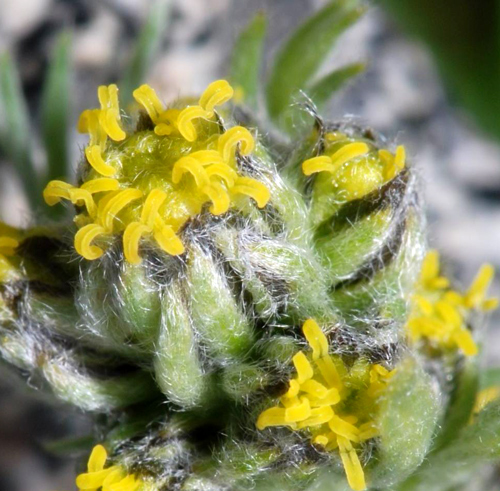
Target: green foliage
{"type": "Point", "coordinates": [246, 60]}
{"type": "Point", "coordinates": [407, 422]}
{"type": "Point", "coordinates": [465, 41]}
{"type": "Point", "coordinates": [56, 108]}
{"type": "Point", "coordinates": [321, 90]}
{"type": "Point", "coordinates": [146, 49]}
{"type": "Point", "coordinates": [302, 55]}
{"type": "Point", "coordinates": [16, 132]}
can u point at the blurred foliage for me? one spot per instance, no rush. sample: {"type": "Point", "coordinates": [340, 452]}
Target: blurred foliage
{"type": "Point", "coordinates": [464, 36]}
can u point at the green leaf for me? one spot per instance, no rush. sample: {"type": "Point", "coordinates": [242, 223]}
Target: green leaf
{"type": "Point", "coordinates": [65, 447]}
{"type": "Point", "coordinates": [146, 49]}
{"type": "Point", "coordinates": [56, 110]}
{"type": "Point", "coordinates": [490, 377]}
{"type": "Point", "coordinates": [478, 444]}
{"type": "Point", "coordinates": [15, 131]}
{"type": "Point", "coordinates": [246, 60]}
{"type": "Point", "coordinates": [408, 416]}
{"type": "Point", "coordinates": [301, 57]}
{"type": "Point", "coordinates": [463, 398]}
{"type": "Point", "coordinates": [465, 42]}
{"type": "Point", "coordinates": [324, 88]}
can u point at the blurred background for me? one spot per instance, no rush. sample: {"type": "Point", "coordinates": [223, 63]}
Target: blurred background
{"type": "Point", "coordinates": [401, 94]}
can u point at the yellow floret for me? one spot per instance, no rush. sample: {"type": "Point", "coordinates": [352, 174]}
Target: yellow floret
{"type": "Point", "coordinates": [112, 478]}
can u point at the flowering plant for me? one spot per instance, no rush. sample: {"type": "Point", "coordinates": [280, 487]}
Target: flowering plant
{"type": "Point", "coordinates": [247, 303]}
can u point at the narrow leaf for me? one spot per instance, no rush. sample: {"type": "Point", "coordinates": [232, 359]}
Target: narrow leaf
{"type": "Point", "coordinates": [490, 377]}
{"type": "Point", "coordinates": [246, 60]}
{"type": "Point", "coordinates": [301, 57]}
{"type": "Point", "coordinates": [478, 444]}
{"type": "Point", "coordinates": [56, 110]}
{"type": "Point", "coordinates": [15, 131]}
{"type": "Point", "coordinates": [146, 49]}
{"type": "Point", "coordinates": [458, 413]}
{"type": "Point", "coordinates": [407, 420]}
{"type": "Point", "coordinates": [324, 88]}
{"type": "Point", "coordinates": [69, 446]}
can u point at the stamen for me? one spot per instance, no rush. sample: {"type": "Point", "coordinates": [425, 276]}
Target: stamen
{"type": "Point", "coordinates": [299, 412]}
{"type": "Point", "coordinates": [109, 116]}
{"type": "Point", "coordinates": [316, 339]}
{"type": "Point", "coordinates": [303, 367]}
{"type": "Point", "coordinates": [229, 141]}
{"type": "Point", "coordinates": [147, 98]}
{"type": "Point", "coordinates": [97, 459]}
{"type": "Point", "coordinates": [131, 238]}
{"type": "Point", "coordinates": [8, 246]}
{"type": "Point", "coordinates": [253, 188]}
{"type": "Point", "coordinates": [94, 157]}
{"type": "Point", "coordinates": [155, 199]}
{"type": "Point", "coordinates": [273, 416]}
{"type": "Point", "coordinates": [167, 240]}
{"type": "Point", "coordinates": [167, 122]}
{"type": "Point", "coordinates": [314, 165]}
{"type": "Point", "coordinates": [84, 238]}
{"type": "Point", "coordinates": [79, 196]}
{"type": "Point", "coordinates": [192, 166]}
{"type": "Point", "coordinates": [100, 185]}
{"type": "Point", "coordinates": [224, 172]}
{"type": "Point", "coordinates": [185, 120]}
{"type": "Point", "coordinates": [352, 465]}
{"type": "Point", "coordinates": [216, 94]}
{"type": "Point", "coordinates": [219, 197]}
{"type": "Point", "coordinates": [111, 208]}
{"type": "Point", "coordinates": [348, 152]}
{"type": "Point", "coordinates": [477, 291]}
{"type": "Point", "coordinates": [55, 191]}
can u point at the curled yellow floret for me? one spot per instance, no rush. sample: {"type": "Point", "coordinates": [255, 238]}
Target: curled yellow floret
{"type": "Point", "coordinates": [109, 116]}
{"type": "Point", "coordinates": [232, 138]}
{"type": "Point", "coordinates": [216, 94]}
{"type": "Point", "coordinates": [439, 314]}
{"type": "Point", "coordinates": [97, 477]}
{"type": "Point", "coordinates": [316, 401]}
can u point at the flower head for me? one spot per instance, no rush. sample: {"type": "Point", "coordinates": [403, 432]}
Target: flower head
{"type": "Point", "coordinates": [439, 314]}
{"type": "Point", "coordinates": [147, 184]}
{"type": "Point", "coordinates": [336, 404]}
{"type": "Point", "coordinates": [351, 168]}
